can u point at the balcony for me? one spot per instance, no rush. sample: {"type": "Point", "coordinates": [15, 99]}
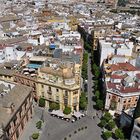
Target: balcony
{"type": "Point", "coordinates": [75, 104]}
{"type": "Point", "coordinates": [49, 92]}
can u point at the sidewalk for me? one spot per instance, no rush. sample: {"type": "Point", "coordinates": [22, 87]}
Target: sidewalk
{"type": "Point", "coordinates": [30, 127]}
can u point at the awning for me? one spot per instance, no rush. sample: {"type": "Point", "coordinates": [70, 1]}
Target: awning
{"type": "Point", "coordinates": [60, 113]}
{"type": "Point", "coordinates": [52, 46]}
{"type": "Point", "coordinates": [77, 114]}
{"type": "Point", "coordinates": [54, 112]}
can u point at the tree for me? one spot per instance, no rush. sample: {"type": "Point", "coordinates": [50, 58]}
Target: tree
{"type": "Point", "coordinates": [87, 46]}
{"type": "Point", "coordinates": [83, 101]}
{"type": "Point", "coordinates": [97, 94]}
{"type": "Point", "coordinates": [35, 136]}
{"type": "Point", "coordinates": [39, 124]}
{"type": "Point", "coordinates": [102, 123]}
{"type": "Point", "coordinates": [96, 70]}
{"type": "Point", "coordinates": [67, 110]}
{"type": "Point", "coordinates": [107, 116]}
{"type": "Point", "coordinates": [42, 102]}
{"type": "Point", "coordinates": [111, 125]}
{"type": "Point", "coordinates": [97, 73]}
{"type": "Point", "coordinates": [84, 65]}
{"type": "Point", "coordinates": [119, 134]}
{"type": "Point", "coordinates": [54, 106]}
{"type": "Point", "coordinates": [107, 135]}
{"type": "Point", "coordinates": [99, 104]}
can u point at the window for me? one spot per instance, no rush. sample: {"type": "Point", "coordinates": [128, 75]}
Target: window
{"type": "Point", "coordinates": [109, 96]}
{"type": "Point", "coordinates": [49, 88]}
{"type": "Point", "coordinates": [124, 101]}
{"type": "Point", "coordinates": [129, 100]}
{"type": "Point", "coordinates": [43, 94]}
{"type": "Point", "coordinates": [65, 101]}
{"type": "Point", "coordinates": [57, 90]}
{"type": "Point", "coordinates": [119, 100]}
{"type": "Point", "coordinates": [75, 100]}
{"type": "Point", "coordinates": [75, 92]}
{"type": "Point", "coordinates": [66, 93]}
{"type": "Point", "coordinates": [42, 86]}
{"type": "Point", "coordinates": [57, 98]}
{"type": "Point", "coordinates": [136, 99]}
{"type": "Point", "coordinates": [124, 107]}
{"type": "Point", "coordinates": [17, 133]}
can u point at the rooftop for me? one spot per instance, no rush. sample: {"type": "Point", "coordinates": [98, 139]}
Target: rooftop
{"type": "Point", "coordinates": [12, 97]}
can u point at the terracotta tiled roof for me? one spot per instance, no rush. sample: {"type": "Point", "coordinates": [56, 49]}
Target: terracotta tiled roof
{"type": "Point", "coordinates": [114, 76]}
{"type": "Point", "coordinates": [123, 66]}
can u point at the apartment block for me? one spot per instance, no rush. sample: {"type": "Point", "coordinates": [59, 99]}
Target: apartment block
{"type": "Point", "coordinates": [121, 85]}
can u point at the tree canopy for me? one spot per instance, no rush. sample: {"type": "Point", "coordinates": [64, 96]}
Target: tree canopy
{"type": "Point", "coordinates": [107, 116]}
{"type": "Point", "coordinates": [67, 110]}
{"type": "Point", "coordinates": [42, 102]}
{"type": "Point", "coordinates": [99, 104]}
{"type": "Point", "coordinates": [83, 101]}
{"type": "Point", "coordinates": [107, 135]}
{"type": "Point", "coordinates": [119, 134]}
{"type": "Point", "coordinates": [54, 106]}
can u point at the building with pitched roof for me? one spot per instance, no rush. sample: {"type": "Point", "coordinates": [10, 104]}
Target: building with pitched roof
{"type": "Point", "coordinates": [121, 83]}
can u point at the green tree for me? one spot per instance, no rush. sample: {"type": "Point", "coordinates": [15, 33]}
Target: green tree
{"type": "Point", "coordinates": [83, 101]}
{"type": "Point", "coordinates": [99, 104]}
{"type": "Point", "coordinates": [107, 116]}
{"type": "Point", "coordinates": [35, 136]}
{"type": "Point", "coordinates": [42, 102]}
{"type": "Point", "coordinates": [54, 106]}
{"type": "Point", "coordinates": [84, 65]}
{"type": "Point", "coordinates": [97, 94]}
{"type": "Point", "coordinates": [39, 124]}
{"type": "Point", "coordinates": [96, 70]}
{"type": "Point", "coordinates": [87, 46]}
{"type": "Point", "coordinates": [102, 123]}
{"type": "Point", "coordinates": [67, 110]}
{"type": "Point", "coordinates": [107, 135]}
{"type": "Point", "coordinates": [111, 125]}
{"type": "Point", "coordinates": [119, 134]}
{"type": "Point", "coordinates": [97, 73]}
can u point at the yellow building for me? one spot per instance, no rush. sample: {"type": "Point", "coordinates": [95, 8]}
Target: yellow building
{"type": "Point", "coordinates": [59, 82]}
{"type": "Point", "coordinates": [56, 80]}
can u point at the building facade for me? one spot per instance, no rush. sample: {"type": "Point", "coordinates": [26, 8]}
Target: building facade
{"type": "Point", "coordinates": [122, 87]}
{"type": "Point", "coordinates": [15, 110]}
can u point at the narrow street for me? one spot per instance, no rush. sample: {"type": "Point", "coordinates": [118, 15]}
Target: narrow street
{"type": "Point", "coordinates": [90, 109]}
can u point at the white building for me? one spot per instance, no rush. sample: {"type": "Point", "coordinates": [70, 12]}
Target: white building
{"type": "Point", "coordinates": [114, 45]}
